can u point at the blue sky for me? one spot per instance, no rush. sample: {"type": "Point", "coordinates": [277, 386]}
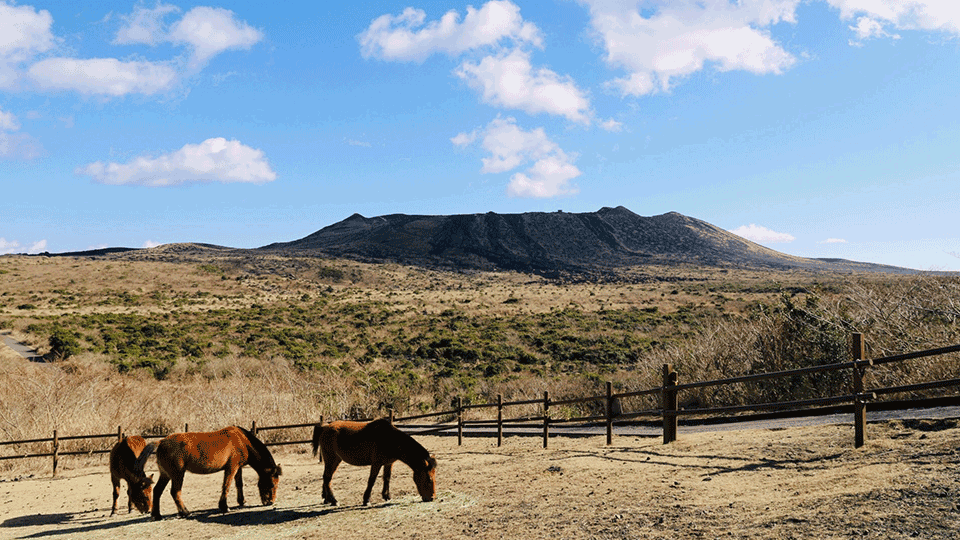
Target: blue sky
{"type": "Point", "coordinates": [819, 128]}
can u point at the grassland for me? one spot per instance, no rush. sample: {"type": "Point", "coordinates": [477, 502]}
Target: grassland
{"type": "Point", "coordinates": [156, 338]}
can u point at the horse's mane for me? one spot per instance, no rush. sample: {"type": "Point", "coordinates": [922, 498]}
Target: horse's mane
{"type": "Point", "coordinates": [261, 449]}
{"type": "Point", "coordinates": [416, 449]}
{"type": "Point", "coordinates": [142, 459]}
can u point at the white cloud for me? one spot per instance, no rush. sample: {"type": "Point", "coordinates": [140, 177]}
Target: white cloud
{"type": "Point", "coordinates": [104, 76]}
{"type": "Point", "coordinates": [671, 39]}
{"type": "Point", "coordinates": [612, 125]}
{"type": "Point", "coordinates": [211, 31]}
{"type": "Point", "coordinates": [12, 246]}
{"type": "Point", "coordinates": [19, 146]}
{"type": "Point", "coordinates": [8, 122]}
{"type": "Point", "coordinates": [38, 247]}
{"type": "Point", "coordinates": [510, 147]}
{"type": "Point", "coordinates": [508, 80]}
{"type": "Point", "coordinates": [464, 139]}
{"type": "Point", "coordinates": [7, 247]}
{"type": "Point", "coordinates": [151, 244]}
{"type": "Point", "coordinates": [834, 241]}
{"type": "Point", "coordinates": [15, 145]}
{"type": "Point", "coordinates": [762, 235]}
{"type": "Point", "coordinates": [868, 28]}
{"type": "Point", "coordinates": [354, 142]}
{"type": "Point", "coordinates": [549, 177]}
{"type": "Point", "coordinates": [145, 25]}
{"type": "Point", "coordinates": [24, 33]}
{"type": "Point", "coordinates": [405, 38]}
{"type": "Point", "coordinates": [205, 31]}
{"type": "Point", "coordinates": [874, 16]}
{"type": "Point", "coordinates": [213, 160]}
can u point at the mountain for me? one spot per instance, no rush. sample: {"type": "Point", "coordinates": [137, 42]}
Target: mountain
{"type": "Point", "coordinates": [548, 243]}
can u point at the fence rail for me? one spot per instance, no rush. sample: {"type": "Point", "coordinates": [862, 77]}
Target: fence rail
{"type": "Point", "coordinates": [669, 411]}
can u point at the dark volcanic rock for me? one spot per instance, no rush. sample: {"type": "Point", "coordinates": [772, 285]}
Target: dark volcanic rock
{"type": "Point", "coordinates": [546, 243]}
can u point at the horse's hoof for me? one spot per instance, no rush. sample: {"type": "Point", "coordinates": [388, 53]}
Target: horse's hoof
{"type": "Point", "coordinates": [156, 517]}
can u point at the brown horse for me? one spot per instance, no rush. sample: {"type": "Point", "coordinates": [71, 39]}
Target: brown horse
{"type": "Point", "coordinates": [127, 459]}
{"type": "Point", "coordinates": [226, 450]}
{"type": "Point", "coordinates": [377, 444]}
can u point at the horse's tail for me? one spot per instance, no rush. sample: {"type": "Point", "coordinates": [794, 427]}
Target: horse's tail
{"type": "Point", "coordinates": [144, 455]}
{"type": "Point", "coordinates": [317, 430]}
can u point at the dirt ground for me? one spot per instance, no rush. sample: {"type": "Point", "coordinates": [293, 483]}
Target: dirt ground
{"type": "Point", "coordinates": [788, 483]}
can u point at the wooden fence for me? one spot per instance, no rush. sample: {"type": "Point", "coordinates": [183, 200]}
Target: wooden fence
{"type": "Point", "coordinates": [668, 411]}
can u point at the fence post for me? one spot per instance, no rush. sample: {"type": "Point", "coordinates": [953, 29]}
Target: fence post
{"type": "Point", "coordinates": [459, 421]}
{"type": "Point", "coordinates": [119, 433]}
{"type": "Point", "coordinates": [670, 404]}
{"type": "Point", "coordinates": [609, 413]}
{"type": "Point", "coordinates": [56, 451]}
{"type": "Point", "coordinates": [390, 411]}
{"type": "Point", "coordinates": [253, 427]}
{"type": "Point", "coordinates": [859, 402]}
{"type": "Point", "coordinates": [499, 419]}
{"type": "Point", "coordinates": [546, 417]}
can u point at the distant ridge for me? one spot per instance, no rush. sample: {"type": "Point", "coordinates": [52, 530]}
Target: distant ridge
{"type": "Point", "coordinates": [549, 243]}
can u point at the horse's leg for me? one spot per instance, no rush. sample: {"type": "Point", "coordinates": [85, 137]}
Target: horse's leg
{"type": "Point", "coordinates": [374, 471]}
{"type": "Point", "coordinates": [228, 475]}
{"type": "Point", "coordinates": [387, 469]}
{"type": "Point", "coordinates": [330, 464]}
{"type": "Point", "coordinates": [176, 486]}
{"type": "Point", "coordinates": [238, 480]}
{"type": "Point", "coordinates": [157, 491]}
{"type": "Point", "coordinates": [116, 493]}
{"type": "Point", "coordinates": [129, 497]}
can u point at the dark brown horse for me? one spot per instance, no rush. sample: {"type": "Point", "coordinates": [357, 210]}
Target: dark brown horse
{"type": "Point", "coordinates": [377, 444]}
{"type": "Point", "coordinates": [127, 459]}
{"type": "Point", "coordinates": [226, 450]}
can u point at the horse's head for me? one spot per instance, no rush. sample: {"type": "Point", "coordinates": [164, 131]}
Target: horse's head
{"type": "Point", "coordinates": [141, 493]}
{"type": "Point", "coordinates": [269, 480]}
{"type": "Point", "coordinates": [426, 479]}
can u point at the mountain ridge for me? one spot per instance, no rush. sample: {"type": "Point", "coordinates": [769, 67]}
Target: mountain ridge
{"type": "Point", "coordinates": [549, 243]}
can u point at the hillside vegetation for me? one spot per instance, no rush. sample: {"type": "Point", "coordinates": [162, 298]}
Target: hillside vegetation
{"type": "Point", "coordinates": [153, 339]}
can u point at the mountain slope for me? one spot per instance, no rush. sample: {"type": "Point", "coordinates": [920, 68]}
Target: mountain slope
{"type": "Point", "coordinates": [546, 242]}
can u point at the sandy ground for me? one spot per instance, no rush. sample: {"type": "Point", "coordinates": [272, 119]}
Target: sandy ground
{"type": "Point", "coordinates": [804, 482]}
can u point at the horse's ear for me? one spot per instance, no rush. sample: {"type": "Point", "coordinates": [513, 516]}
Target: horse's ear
{"type": "Point", "coordinates": [278, 471]}
{"type": "Point", "coordinates": [150, 478]}
{"type": "Point", "coordinates": [431, 463]}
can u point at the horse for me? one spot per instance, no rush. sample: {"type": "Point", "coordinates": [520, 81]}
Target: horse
{"type": "Point", "coordinates": [127, 459]}
{"type": "Point", "coordinates": [226, 450]}
{"type": "Point", "coordinates": [377, 444]}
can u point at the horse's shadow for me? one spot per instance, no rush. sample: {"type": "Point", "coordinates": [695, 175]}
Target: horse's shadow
{"type": "Point", "coordinates": [258, 516]}
{"type": "Point", "coordinates": [236, 517]}
{"type": "Point", "coordinates": [84, 523]}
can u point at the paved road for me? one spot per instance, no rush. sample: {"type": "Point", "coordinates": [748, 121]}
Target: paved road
{"type": "Point", "coordinates": [648, 430]}
{"type": "Point", "coordinates": [21, 349]}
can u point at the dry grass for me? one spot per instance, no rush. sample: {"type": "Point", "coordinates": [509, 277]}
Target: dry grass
{"type": "Point", "coordinates": [719, 330]}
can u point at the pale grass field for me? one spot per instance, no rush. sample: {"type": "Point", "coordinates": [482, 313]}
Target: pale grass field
{"type": "Point", "coordinates": [803, 483]}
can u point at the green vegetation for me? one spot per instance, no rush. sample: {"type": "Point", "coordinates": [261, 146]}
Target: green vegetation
{"type": "Point", "coordinates": [357, 339]}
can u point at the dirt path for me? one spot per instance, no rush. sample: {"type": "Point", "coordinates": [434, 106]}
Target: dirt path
{"type": "Point", "coordinates": [803, 482]}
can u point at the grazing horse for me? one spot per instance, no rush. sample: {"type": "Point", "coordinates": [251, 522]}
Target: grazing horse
{"type": "Point", "coordinates": [378, 444]}
{"type": "Point", "coordinates": [127, 459]}
{"type": "Point", "coordinates": [226, 450]}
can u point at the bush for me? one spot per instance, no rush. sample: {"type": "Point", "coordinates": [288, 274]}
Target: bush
{"type": "Point", "coordinates": [64, 344]}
